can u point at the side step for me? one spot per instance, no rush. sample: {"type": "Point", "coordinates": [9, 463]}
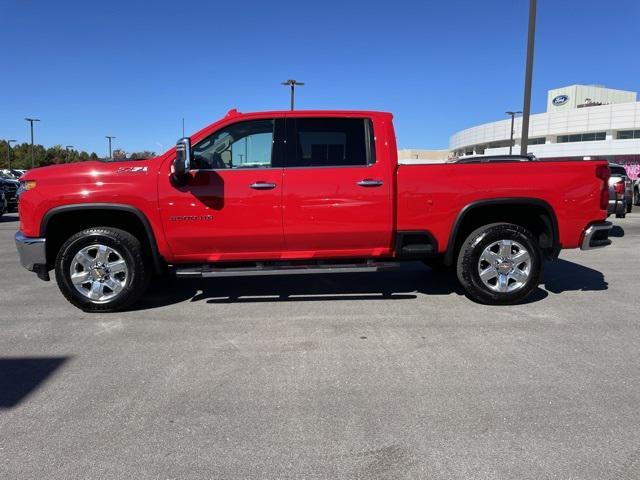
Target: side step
{"type": "Point", "coordinates": [417, 249]}
{"type": "Point", "coordinates": [207, 271]}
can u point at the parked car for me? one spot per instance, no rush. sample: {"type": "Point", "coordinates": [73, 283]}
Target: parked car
{"type": "Point", "coordinates": [9, 186]}
{"type": "Point", "coordinates": [494, 159]}
{"type": "Point", "coordinates": [625, 204]}
{"type": "Point", "coordinates": [636, 192]}
{"type": "Point", "coordinates": [302, 192]}
{"type": "Point", "coordinates": [3, 203]}
{"type": "Point", "coordinates": [14, 173]}
{"type": "Point", "coordinates": [617, 203]}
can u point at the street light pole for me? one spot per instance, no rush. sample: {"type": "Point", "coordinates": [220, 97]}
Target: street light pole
{"type": "Point", "coordinates": [9, 142]}
{"type": "Point", "coordinates": [110, 137]}
{"type": "Point", "coordinates": [528, 76]}
{"type": "Point", "coordinates": [67, 148]}
{"type": "Point", "coordinates": [513, 115]}
{"type": "Point", "coordinates": [292, 83]}
{"type": "Point", "coordinates": [31, 120]}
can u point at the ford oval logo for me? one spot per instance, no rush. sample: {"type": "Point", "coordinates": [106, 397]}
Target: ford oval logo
{"type": "Point", "coordinates": [560, 100]}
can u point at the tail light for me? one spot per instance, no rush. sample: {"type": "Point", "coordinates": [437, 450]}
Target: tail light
{"type": "Point", "coordinates": [619, 189]}
{"type": "Point", "coordinates": [603, 173]}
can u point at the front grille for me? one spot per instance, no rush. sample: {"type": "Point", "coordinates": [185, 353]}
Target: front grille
{"type": "Point", "coordinates": [10, 191]}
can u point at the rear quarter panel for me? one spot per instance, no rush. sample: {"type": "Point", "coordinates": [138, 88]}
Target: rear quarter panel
{"type": "Point", "coordinates": [430, 197]}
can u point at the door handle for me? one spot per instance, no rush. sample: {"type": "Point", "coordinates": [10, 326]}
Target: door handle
{"type": "Point", "coordinates": [262, 186]}
{"type": "Point", "coordinates": [367, 182]}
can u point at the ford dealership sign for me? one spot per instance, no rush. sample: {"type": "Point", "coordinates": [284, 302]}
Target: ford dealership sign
{"type": "Point", "coordinates": [560, 100]}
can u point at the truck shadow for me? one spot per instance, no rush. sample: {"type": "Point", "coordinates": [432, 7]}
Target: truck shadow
{"type": "Point", "coordinates": [406, 283]}
{"type": "Point", "coordinates": [21, 376]}
{"type": "Point", "coordinates": [562, 276]}
{"type": "Point", "coordinates": [402, 284]}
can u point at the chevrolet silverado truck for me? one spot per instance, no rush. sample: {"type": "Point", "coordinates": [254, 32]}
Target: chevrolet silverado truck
{"type": "Point", "coordinates": [303, 192]}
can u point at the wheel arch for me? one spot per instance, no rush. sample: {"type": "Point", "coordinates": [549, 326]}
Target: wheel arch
{"type": "Point", "coordinates": [544, 222]}
{"type": "Point", "coordinates": [87, 215]}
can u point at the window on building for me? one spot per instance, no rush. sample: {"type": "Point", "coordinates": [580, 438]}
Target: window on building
{"type": "Point", "coordinates": [537, 141]}
{"type": "Point", "coordinates": [504, 143]}
{"type": "Point", "coordinates": [628, 134]}
{"type": "Point", "coordinates": [582, 137]}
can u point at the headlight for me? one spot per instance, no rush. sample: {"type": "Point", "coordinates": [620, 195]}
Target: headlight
{"type": "Point", "coordinates": [26, 185]}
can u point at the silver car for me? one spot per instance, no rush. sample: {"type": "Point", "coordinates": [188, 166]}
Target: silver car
{"type": "Point", "coordinates": [620, 191]}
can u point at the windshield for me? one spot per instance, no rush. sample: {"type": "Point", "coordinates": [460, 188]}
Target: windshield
{"type": "Point", "coordinates": [617, 170]}
{"type": "Point", "coordinates": [7, 176]}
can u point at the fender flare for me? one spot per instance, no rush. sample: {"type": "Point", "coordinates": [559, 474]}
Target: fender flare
{"type": "Point", "coordinates": [526, 201]}
{"type": "Point", "coordinates": [155, 254]}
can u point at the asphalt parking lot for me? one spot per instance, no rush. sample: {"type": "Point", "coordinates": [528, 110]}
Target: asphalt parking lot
{"type": "Point", "coordinates": [390, 375]}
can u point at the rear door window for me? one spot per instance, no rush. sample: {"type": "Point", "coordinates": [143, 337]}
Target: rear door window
{"type": "Point", "coordinates": [330, 142]}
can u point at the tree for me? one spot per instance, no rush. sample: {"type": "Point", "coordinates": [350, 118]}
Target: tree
{"type": "Point", "coordinates": [21, 155]}
{"type": "Point", "coordinates": [119, 154]}
{"type": "Point", "coordinates": [142, 155]}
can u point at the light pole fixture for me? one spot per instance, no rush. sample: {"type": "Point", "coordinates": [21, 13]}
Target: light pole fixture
{"type": "Point", "coordinates": [292, 83]}
{"type": "Point", "coordinates": [513, 116]}
{"type": "Point", "coordinates": [110, 137]}
{"type": "Point", "coordinates": [68, 149]}
{"type": "Point", "coordinates": [9, 142]}
{"type": "Point", "coordinates": [31, 120]}
{"type": "Point", "coordinates": [528, 77]}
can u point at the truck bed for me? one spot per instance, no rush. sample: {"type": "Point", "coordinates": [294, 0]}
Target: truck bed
{"type": "Point", "coordinates": [434, 195]}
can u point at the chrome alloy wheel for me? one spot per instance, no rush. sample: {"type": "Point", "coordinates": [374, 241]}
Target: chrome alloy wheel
{"type": "Point", "coordinates": [99, 272]}
{"type": "Point", "coordinates": [504, 266]}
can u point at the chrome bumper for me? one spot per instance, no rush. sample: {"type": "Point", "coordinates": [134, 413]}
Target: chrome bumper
{"type": "Point", "coordinates": [32, 251]}
{"type": "Point", "coordinates": [596, 236]}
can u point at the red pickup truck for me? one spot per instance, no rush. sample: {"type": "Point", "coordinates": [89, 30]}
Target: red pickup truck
{"type": "Point", "coordinates": [302, 192]}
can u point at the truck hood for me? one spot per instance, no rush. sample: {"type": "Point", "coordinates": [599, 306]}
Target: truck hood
{"type": "Point", "coordinates": [73, 171]}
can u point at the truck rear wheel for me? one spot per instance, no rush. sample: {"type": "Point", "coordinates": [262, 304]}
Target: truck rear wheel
{"type": "Point", "coordinates": [102, 269]}
{"type": "Point", "coordinates": [499, 264]}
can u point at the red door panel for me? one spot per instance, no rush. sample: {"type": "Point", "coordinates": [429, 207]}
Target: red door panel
{"type": "Point", "coordinates": [332, 211]}
{"type": "Point", "coordinates": [224, 215]}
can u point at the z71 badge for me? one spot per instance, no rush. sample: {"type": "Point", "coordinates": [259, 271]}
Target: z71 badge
{"type": "Point", "coordinates": [132, 170]}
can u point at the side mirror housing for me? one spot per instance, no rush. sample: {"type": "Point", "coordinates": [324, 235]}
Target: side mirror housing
{"type": "Point", "coordinates": [182, 163]}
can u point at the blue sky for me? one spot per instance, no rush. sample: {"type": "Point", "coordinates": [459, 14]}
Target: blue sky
{"type": "Point", "coordinates": [134, 68]}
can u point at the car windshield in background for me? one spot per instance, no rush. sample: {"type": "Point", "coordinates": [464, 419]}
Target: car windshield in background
{"type": "Point", "coordinates": [617, 170]}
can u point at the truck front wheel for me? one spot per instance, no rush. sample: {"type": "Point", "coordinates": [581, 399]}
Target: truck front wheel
{"type": "Point", "coordinates": [102, 269]}
{"type": "Point", "coordinates": [499, 264]}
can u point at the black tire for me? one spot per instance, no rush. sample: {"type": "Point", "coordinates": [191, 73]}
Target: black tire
{"type": "Point", "coordinates": [128, 246]}
{"type": "Point", "coordinates": [636, 197]}
{"type": "Point", "coordinates": [469, 259]}
{"type": "Point", "coordinates": [629, 207]}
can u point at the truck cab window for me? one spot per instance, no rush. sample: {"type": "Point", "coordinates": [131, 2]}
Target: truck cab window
{"type": "Point", "coordinates": [241, 145]}
{"type": "Point", "coordinates": [331, 142]}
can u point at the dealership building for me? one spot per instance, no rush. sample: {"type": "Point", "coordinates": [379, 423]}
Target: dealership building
{"type": "Point", "coordinates": [581, 122]}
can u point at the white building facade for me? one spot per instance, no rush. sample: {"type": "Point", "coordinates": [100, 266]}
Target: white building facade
{"type": "Point", "coordinates": [581, 122]}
